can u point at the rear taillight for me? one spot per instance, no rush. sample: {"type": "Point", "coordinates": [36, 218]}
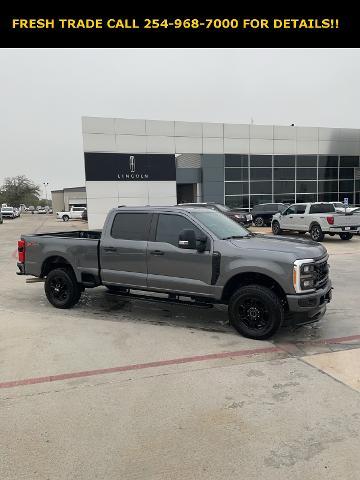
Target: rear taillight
{"type": "Point", "coordinates": [21, 251]}
{"type": "Point", "coordinates": [330, 220]}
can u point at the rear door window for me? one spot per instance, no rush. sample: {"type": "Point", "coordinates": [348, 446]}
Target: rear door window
{"type": "Point", "coordinates": [300, 209]}
{"type": "Point", "coordinates": [322, 208]}
{"type": "Point", "coordinates": [131, 226]}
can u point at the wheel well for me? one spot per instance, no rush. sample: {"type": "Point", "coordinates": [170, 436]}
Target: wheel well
{"type": "Point", "coordinates": [314, 223]}
{"type": "Point", "coordinates": [54, 262]}
{"type": "Point", "coordinates": [252, 278]}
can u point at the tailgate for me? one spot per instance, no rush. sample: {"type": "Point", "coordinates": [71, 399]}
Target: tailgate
{"type": "Point", "coordinates": [346, 220]}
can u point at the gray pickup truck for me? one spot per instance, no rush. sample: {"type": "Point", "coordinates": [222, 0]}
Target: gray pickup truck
{"type": "Point", "coordinates": [185, 252]}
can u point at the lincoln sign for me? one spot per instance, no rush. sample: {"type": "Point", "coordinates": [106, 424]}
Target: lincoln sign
{"type": "Point", "coordinates": [129, 167]}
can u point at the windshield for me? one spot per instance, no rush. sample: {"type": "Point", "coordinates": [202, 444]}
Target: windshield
{"type": "Point", "coordinates": [222, 208]}
{"type": "Point", "coordinates": [7, 209]}
{"type": "Point", "coordinates": [222, 226]}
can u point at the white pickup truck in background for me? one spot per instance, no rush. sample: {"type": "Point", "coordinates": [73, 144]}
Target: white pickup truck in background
{"type": "Point", "coordinates": [318, 219]}
{"type": "Point", "coordinates": [74, 212]}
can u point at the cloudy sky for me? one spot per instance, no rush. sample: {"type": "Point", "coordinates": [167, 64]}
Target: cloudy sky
{"type": "Point", "coordinates": [44, 93]}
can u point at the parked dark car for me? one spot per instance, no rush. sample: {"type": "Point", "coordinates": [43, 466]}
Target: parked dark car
{"type": "Point", "coordinates": [262, 214]}
{"type": "Point", "coordinates": [244, 218]}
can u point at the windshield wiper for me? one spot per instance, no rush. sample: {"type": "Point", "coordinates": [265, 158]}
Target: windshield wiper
{"type": "Point", "coordinates": [237, 236]}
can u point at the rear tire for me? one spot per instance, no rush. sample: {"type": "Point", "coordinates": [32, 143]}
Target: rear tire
{"type": "Point", "coordinates": [316, 234]}
{"type": "Point", "coordinates": [65, 218]}
{"type": "Point", "coordinates": [259, 222]}
{"type": "Point", "coordinates": [346, 236]}
{"type": "Point", "coordinates": [276, 228]}
{"type": "Point", "coordinates": [255, 312]}
{"type": "Point", "coordinates": [61, 288]}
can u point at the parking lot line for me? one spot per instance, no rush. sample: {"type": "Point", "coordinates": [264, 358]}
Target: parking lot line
{"type": "Point", "coordinates": [138, 366]}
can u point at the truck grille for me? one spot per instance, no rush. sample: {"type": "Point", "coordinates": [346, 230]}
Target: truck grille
{"type": "Point", "coordinates": [322, 273]}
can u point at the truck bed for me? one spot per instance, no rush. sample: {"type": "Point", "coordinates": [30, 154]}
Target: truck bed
{"type": "Point", "coordinates": [79, 248]}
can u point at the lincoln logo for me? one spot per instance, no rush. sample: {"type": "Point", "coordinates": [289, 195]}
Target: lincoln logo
{"type": "Point", "coordinates": [132, 175]}
{"type": "Point", "coordinates": [132, 164]}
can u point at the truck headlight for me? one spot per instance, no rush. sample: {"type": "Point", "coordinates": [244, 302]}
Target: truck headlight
{"type": "Point", "coordinates": [304, 275]}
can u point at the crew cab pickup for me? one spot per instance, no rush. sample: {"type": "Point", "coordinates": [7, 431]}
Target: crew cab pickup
{"type": "Point", "coordinates": [74, 212]}
{"type": "Point", "coordinates": [196, 253]}
{"type": "Point", "coordinates": [318, 219]}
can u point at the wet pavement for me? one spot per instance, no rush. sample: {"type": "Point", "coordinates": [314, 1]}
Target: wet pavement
{"type": "Point", "coordinates": [171, 390]}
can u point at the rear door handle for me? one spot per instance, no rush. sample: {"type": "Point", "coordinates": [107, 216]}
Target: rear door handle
{"type": "Point", "coordinates": [302, 217]}
{"type": "Point", "coordinates": [110, 249]}
{"type": "Point", "coordinates": [157, 252]}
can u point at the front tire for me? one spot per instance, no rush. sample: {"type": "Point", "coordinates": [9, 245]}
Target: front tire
{"type": "Point", "coordinates": [255, 312]}
{"type": "Point", "coordinates": [259, 222]}
{"type": "Point", "coordinates": [61, 288]}
{"type": "Point", "coordinates": [65, 218]}
{"type": "Point", "coordinates": [276, 228]}
{"type": "Point", "coordinates": [346, 236]}
{"type": "Point", "coordinates": [316, 234]}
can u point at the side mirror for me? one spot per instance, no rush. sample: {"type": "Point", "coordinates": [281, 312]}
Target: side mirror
{"type": "Point", "coordinates": [202, 243]}
{"type": "Point", "coordinates": [187, 239]}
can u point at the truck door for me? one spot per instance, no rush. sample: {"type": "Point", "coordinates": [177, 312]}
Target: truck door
{"type": "Point", "coordinates": [173, 268]}
{"type": "Point", "coordinates": [287, 218]}
{"type": "Point", "coordinates": [123, 250]}
{"type": "Point", "coordinates": [299, 217]}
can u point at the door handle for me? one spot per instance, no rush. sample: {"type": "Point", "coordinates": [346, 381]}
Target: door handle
{"type": "Point", "coordinates": [291, 217]}
{"type": "Point", "coordinates": [302, 217]}
{"type": "Point", "coordinates": [110, 249]}
{"type": "Point", "coordinates": [157, 252]}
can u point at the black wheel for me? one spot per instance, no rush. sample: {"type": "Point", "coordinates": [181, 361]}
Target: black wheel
{"type": "Point", "coordinates": [65, 218]}
{"type": "Point", "coordinates": [259, 222]}
{"type": "Point", "coordinates": [346, 236]}
{"type": "Point", "coordinates": [62, 289]}
{"type": "Point", "coordinates": [255, 312]}
{"type": "Point", "coordinates": [276, 228]}
{"type": "Point", "coordinates": [316, 233]}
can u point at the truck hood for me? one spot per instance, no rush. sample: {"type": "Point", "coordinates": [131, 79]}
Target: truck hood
{"type": "Point", "coordinates": [300, 248]}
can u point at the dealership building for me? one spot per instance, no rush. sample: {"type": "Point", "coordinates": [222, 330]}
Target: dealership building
{"type": "Point", "coordinates": [152, 162]}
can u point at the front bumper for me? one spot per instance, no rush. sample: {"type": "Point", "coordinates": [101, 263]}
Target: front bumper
{"type": "Point", "coordinates": [308, 308]}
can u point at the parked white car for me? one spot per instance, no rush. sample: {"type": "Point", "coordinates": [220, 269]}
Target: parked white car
{"type": "Point", "coordinates": [318, 219]}
{"type": "Point", "coordinates": [74, 212]}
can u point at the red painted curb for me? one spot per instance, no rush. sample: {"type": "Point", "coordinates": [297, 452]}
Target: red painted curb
{"type": "Point", "coordinates": [138, 366]}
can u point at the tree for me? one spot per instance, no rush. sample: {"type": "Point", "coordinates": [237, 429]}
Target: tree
{"type": "Point", "coordinates": [20, 189]}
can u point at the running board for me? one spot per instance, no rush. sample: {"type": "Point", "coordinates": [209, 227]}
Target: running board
{"type": "Point", "coordinates": [35, 280]}
{"type": "Point", "coordinates": [170, 301]}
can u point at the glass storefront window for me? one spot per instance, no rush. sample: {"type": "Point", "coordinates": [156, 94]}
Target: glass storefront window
{"type": "Point", "coordinates": [306, 173]}
{"type": "Point", "coordinates": [284, 160]}
{"type": "Point", "coordinates": [349, 162]}
{"type": "Point", "coordinates": [284, 187]}
{"type": "Point", "coordinates": [328, 197]}
{"type": "Point", "coordinates": [328, 173]}
{"type": "Point", "coordinates": [346, 173]}
{"type": "Point", "coordinates": [304, 198]}
{"type": "Point", "coordinates": [284, 198]}
{"type": "Point", "coordinates": [236, 160]}
{"type": "Point", "coordinates": [328, 160]}
{"type": "Point", "coordinates": [260, 160]}
{"type": "Point", "coordinates": [260, 173]}
{"type": "Point", "coordinates": [328, 186]}
{"type": "Point", "coordinates": [256, 199]}
{"type": "Point", "coordinates": [346, 185]}
{"type": "Point", "coordinates": [306, 161]}
{"type": "Point", "coordinates": [236, 173]}
{"type": "Point", "coordinates": [237, 201]}
{"type": "Point", "coordinates": [236, 188]}
{"type": "Point", "coordinates": [306, 186]}
{"type": "Point", "coordinates": [261, 188]}
{"type": "Point", "coordinates": [284, 173]}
